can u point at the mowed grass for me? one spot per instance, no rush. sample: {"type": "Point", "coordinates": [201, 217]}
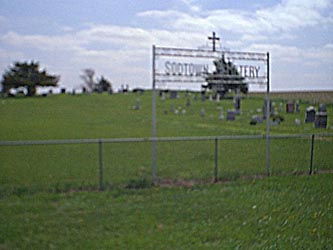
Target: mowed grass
{"type": "Point", "coordinates": [48, 197]}
{"type": "Point", "coordinates": [105, 116]}
{"type": "Point", "coordinates": [291, 212]}
{"type": "Point", "coordinates": [64, 167]}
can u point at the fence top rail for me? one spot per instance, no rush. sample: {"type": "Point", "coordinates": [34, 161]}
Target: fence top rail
{"type": "Point", "coordinates": [158, 139]}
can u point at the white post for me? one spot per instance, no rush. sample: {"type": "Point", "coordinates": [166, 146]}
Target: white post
{"type": "Point", "coordinates": [154, 129]}
{"type": "Point", "coordinates": [268, 112]}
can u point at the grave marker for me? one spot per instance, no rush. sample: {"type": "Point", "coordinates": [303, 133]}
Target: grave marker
{"type": "Point", "coordinates": [290, 107]}
{"type": "Point", "coordinates": [231, 115]}
{"type": "Point", "coordinates": [310, 114]}
{"type": "Point", "coordinates": [202, 112]}
{"type": "Point", "coordinates": [173, 94]}
{"type": "Point", "coordinates": [321, 117]}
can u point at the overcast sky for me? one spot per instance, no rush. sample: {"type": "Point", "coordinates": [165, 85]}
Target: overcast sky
{"type": "Point", "coordinates": [115, 38]}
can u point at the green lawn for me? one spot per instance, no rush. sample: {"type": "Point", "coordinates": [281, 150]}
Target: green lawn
{"type": "Point", "coordinates": [291, 212]}
{"type": "Point", "coordinates": [104, 116]}
{"type": "Point", "coordinates": [63, 167]}
{"type": "Point", "coordinates": [42, 207]}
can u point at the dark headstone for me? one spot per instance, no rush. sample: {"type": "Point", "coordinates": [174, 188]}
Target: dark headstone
{"type": "Point", "coordinates": [310, 115]}
{"type": "Point", "coordinates": [321, 117]}
{"type": "Point", "coordinates": [290, 107]}
{"type": "Point", "coordinates": [188, 102]}
{"type": "Point", "coordinates": [63, 91]}
{"type": "Point", "coordinates": [237, 102]}
{"type": "Point", "coordinates": [173, 94]}
{"type": "Point", "coordinates": [203, 96]}
{"type": "Point", "coordinates": [231, 115]}
{"type": "Point", "coordinates": [256, 119]}
{"type": "Point", "coordinates": [321, 120]}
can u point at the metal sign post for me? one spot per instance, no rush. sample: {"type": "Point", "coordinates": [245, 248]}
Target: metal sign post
{"type": "Point", "coordinates": [268, 121]}
{"type": "Point", "coordinates": [169, 70]}
{"type": "Point", "coordinates": [154, 127]}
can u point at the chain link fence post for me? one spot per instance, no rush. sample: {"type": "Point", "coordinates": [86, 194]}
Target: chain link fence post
{"type": "Point", "coordinates": [100, 151]}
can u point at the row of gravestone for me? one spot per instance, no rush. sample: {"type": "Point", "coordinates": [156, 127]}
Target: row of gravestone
{"type": "Point", "coordinates": [173, 94]}
{"type": "Point", "coordinates": [318, 118]}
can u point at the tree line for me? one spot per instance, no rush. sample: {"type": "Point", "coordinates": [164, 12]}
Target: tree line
{"type": "Point", "coordinates": [29, 75]}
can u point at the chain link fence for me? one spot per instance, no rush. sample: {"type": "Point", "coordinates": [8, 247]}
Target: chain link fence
{"type": "Point", "coordinates": [62, 165]}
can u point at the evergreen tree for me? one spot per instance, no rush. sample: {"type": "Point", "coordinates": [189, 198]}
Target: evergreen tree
{"type": "Point", "coordinates": [225, 77]}
{"type": "Point", "coordinates": [27, 75]}
{"type": "Point", "coordinates": [104, 85]}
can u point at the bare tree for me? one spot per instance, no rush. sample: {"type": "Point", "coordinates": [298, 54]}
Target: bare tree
{"type": "Point", "coordinates": [88, 79]}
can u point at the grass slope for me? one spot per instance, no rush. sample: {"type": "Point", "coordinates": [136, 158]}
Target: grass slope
{"type": "Point", "coordinates": [64, 167]}
{"type": "Point", "coordinates": [293, 212]}
{"type": "Point", "coordinates": [104, 116]}
{"type": "Point", "coordinates": [40, 210]}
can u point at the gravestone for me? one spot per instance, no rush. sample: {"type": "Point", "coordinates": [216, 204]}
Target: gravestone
{"type": "Point", "coordinates": [280, 107]}
{"type": "Point", "coordinates": [231, 115]}
{"type": "Point", "coordinates": [290, 107]}
{"type": "Point", "coordinates": [162, 95]}
{"type": "Point", "coordinates": [218, 97]}
{"type": "Point", "coordinates": [298, 109]}
{"type": "Point", "coordinates": [173, 94]}
{"type": "Point", "coordinates": [322, 108]}
{"type": "Point", "coordinates": [137, 104]}
{"type": "Point", "coordinates": [256, 119]}
{"type": "Point", "coordinates": [310, 114]}
{"type": "Point", "coordinates": [172, 108]}
{"type": "Point", "coordinates": [237, 102]}
{"type": "Point", "coordinates": [221, 116]}
{"type": "Point", "coordinates": [188, 102]}
{"type": "Point", "coordinates": [297, 122]}
{"type": "Point", "coordinates": [321, 117]}
{"type": "Point", "coordinates": [203, 96]}
{"type": "Point", "coordinates": [202, 112]}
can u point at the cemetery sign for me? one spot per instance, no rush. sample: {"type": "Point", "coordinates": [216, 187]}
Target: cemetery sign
{"type": "Point", "coordinates": [216, 69]}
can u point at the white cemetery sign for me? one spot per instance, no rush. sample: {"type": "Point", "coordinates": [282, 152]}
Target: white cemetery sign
{"type": "Point", "coordinates": [182, 68]}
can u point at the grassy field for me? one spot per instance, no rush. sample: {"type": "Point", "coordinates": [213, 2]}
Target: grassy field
{"type": "Point", "coordinates": [292, 212]}
{"type": "Point", "coordinates": [64, 167]}
{"type": "Point", "coordinates": [48, 197]}
{"type": "Point", "coordinates": [104, 116]}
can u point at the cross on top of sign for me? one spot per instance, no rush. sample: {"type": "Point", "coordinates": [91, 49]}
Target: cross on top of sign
{"type": "Point", "coordinates": [214, 38]}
